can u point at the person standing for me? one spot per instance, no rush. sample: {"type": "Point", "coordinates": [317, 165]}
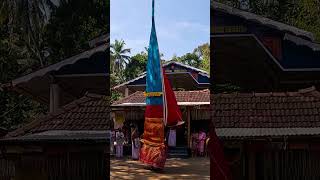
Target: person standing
{"type": "Point", "coordinates": [135, 142]}
{"type": "Point", "coordinates": [112, 142]}
{"type": "Point", "coordinates": [207, 145]}
{"type": "Point", "coordinates": [194, 144]}
{"type": "Point", "coordinates": [172, 138]}
{"type": "Point", "coordinates": [201, 139]}
{"type": "Point", "coordinates": [119, 145]}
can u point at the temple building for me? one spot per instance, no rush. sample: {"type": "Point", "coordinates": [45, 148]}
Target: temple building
{"type": "Point", "coordinates": [270, 128]}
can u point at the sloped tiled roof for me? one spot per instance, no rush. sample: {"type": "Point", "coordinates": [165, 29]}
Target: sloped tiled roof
{"type": "Point", "coordinates": [91, 112]}
{"type": "Point", "coordinates": [169, 63]}
{"type": "Point", "coordinates": [267, 110]}
{"type": "Point", "coordinates": [181, 96]}
{"type": "Point", "coordinates": [262, 20]}
{"type": "Point", "coordinates": [61, 136]}
{"type": "Point", "coordinates": [256, 111]}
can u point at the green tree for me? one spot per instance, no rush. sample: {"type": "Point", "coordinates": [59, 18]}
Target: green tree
{"type": "Point", "coordinates": [72, 24]}
{"type": "Point", "coordinates": [191, 59]}
{"type": "Point", "coordinates": [120, 57]}
{"type": "Point", "coordinates": [114, 80]}
{"type": "Point", "coordinates": [25, 21]}
{"type": "Point", "coordinates": [203, 51]}
{"type": "Point", "coordinates": [15, 109]}
{"type": "Point", "coordinates": [304, 14]}
{"type": "Point", "coordinates": [199, 58]}
{"type": "Point", "coordinates": [136, 65]}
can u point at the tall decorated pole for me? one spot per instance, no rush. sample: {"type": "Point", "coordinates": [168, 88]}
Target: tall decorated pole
{"type": "Point", "coordinates": [153, 151]}
{"type": "Point", "coordinates": [162, 109]}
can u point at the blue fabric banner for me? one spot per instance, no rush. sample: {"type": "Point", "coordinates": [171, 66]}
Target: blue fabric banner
{"type": "Point", "coordinates": [154, 71]}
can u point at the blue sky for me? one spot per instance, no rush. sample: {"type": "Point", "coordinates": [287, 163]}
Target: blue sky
{"type": "Point", "coordinates": [181, 25]}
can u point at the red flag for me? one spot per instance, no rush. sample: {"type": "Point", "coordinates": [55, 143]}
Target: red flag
{"type": "Point", "coordinates": [219, 167]}
{"type": "Point", "coordinates": [172, 113]}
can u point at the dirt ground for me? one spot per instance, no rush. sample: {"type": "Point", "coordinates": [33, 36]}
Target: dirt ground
{"type": "Point", "coordinates": [192, 168]}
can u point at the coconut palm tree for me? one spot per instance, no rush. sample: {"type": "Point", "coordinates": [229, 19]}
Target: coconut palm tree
{"type": "Point", "coordinates": [119, 57]}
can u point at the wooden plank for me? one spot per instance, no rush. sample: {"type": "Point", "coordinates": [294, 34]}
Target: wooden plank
{"type": "Point", "coordinates": [54, 97]}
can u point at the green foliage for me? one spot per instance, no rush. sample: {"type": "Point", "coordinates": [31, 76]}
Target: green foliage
{"type": "Point", "coordinates": [72, 24]}
{"type": "Point", "coordinates": [199, 58]}
{"type": "Point", "coordinates": [203, 51]}
{"type": "Point", "coordinates": [114, 80]}
{"type": "Point", "coordinates": [119, 58]}
{"type": "Point", "coordinates": [304, 14]}
{"type": "Point", "coordinates": [17, 110]}
{"type": "Point", "coordinates": [191, 59]}
{"type": "Point", "coordinates": [14, 109]}
{"type": "Point", "coordinates": [136, 65]}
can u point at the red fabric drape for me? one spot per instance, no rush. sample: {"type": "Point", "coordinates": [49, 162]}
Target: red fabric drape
{"type": "Point", "coordinates": [219, 167]}
{"type": "Point", "coordinates": [174, 115]}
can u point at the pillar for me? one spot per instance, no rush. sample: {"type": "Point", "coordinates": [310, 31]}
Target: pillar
{"type": "Point", "coordinates": [126, 92]}
{"type": "Point", "coordinates": [188, 121]}
{"type": "Point", "coordinates": [54, 97]}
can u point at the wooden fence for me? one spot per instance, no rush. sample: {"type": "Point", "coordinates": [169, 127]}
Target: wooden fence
{"type": "Point", "coordinates": [288, 165]}
{"type": "Point", "coordinates": [6, 169]}
{"type": "Point", "coordinates": [75, 166]}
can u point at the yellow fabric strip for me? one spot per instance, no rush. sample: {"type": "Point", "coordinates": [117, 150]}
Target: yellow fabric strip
{"type": "Point", "coordinates": [152, 94]}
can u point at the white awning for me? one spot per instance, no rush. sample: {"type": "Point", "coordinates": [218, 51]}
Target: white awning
{"type": "Point", "coordinates": [179, 103]}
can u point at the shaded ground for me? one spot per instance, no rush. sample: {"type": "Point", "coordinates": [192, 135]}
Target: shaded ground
{"type": "Point", "coordinates": [192, 168]}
